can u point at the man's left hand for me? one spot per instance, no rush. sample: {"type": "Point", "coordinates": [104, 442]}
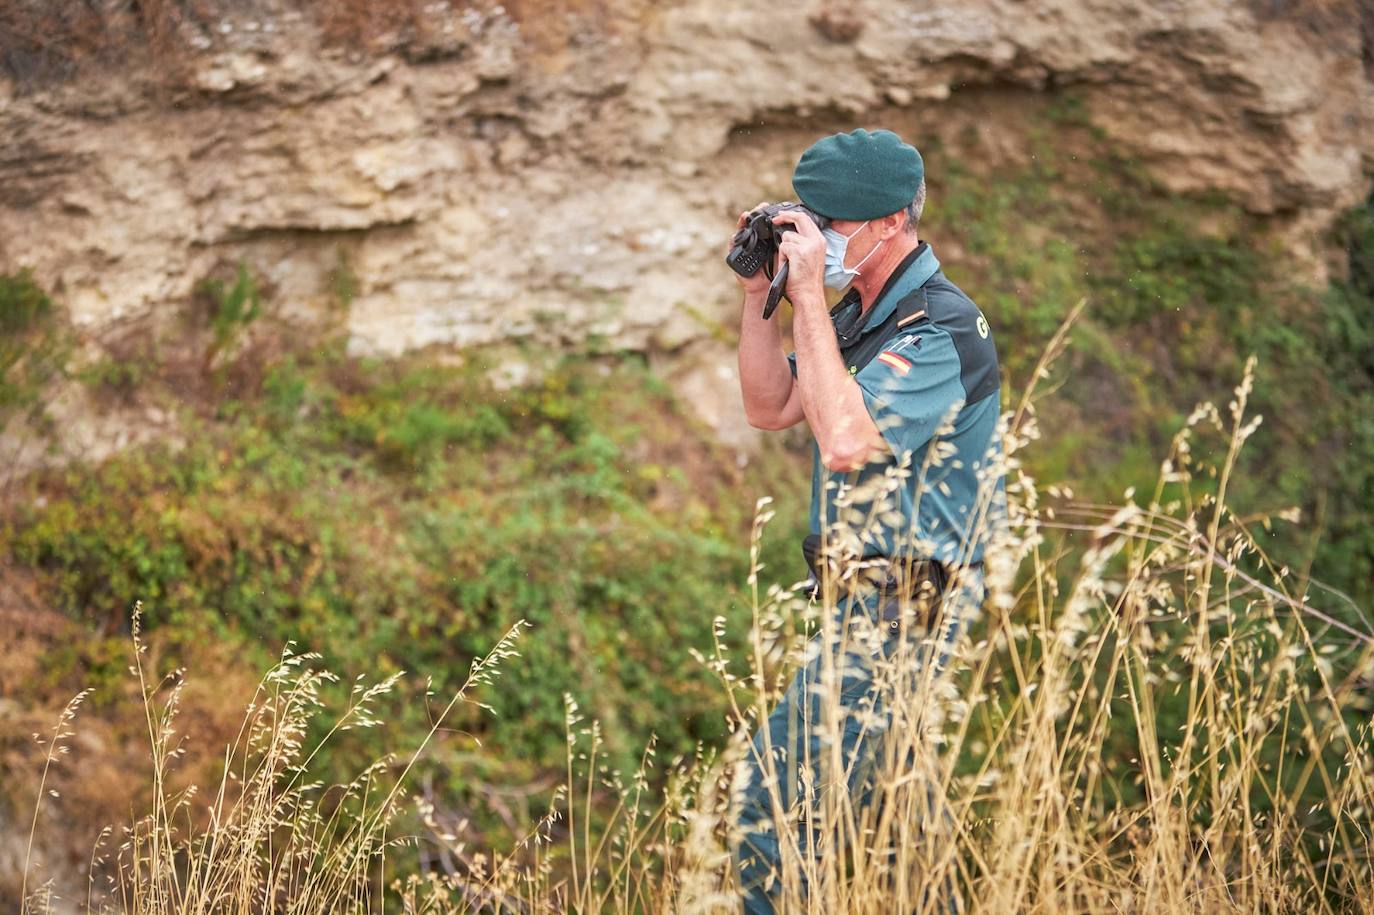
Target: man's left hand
{"type": "Point", "coordinates": [804, 250]}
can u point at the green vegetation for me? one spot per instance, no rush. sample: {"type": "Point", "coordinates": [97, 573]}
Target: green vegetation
{"type": "Point", "coordinates": [1345, 346]}
{"type": "Point", "coordinates": [22, 303]}
{"type": "Point", "coordinates": [1181, 290]}
{"type": "Point", "coordinates": [121, 376]}
{"type": "Point", "coordinates": [31, 348]}
{"type": "Point", "coordinates": [228, 307]}
{"type": "Point", "coordinates": [401, 516]}
{"type": "Point", "coordinates": [1142, 726]}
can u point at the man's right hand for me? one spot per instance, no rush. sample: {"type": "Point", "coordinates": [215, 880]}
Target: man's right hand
{"type": "Point", "coordinates": [756, 286]}
{"type": "Point", "coordinates": [772, 400]}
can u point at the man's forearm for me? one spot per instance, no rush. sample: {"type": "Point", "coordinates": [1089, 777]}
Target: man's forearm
{"type": "Point", "coordinates": [765, 378]}
{"type": "Point", "coordinates": [830, 396]}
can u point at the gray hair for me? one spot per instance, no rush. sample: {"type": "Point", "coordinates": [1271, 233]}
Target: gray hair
{"type": "Point", "coordinates": [914, 208]}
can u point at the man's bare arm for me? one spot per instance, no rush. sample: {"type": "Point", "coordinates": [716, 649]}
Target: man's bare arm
{"type": "Point", "coordinates": [771, 400]}
{"type": "Point", "coordinates": [771, 397]}
{"type": "Point", "coordinates": [830, 397]}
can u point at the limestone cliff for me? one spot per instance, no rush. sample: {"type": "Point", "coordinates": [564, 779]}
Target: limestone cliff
{"type": "Point", "coordinates": [573, 170]}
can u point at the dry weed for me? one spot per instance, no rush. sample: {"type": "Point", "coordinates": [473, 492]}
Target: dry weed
{"type": "Point", "coordinates": [1150, 717]}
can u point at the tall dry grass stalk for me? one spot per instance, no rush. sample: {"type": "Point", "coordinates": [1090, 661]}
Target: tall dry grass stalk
{"type": "Point", "coordinates": [1148, 718]}
{"type": "Point", "coordinates": [272, 837]}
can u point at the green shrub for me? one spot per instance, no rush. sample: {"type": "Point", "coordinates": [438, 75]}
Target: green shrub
{"type": "Point", "coordinates": [22, 303]}
{"type": "Point", "coordinates": [1181, 289]}
{"type": "Point", "coordinates": [400, 515]}
{"type": "Point", "coordinates": [228, 307]}
{"type": "Point", "coordinates": [32, 347]}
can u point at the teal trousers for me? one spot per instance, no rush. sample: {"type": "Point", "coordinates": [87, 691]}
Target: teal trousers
{"type": "Point", "coordinates": [801, 746]}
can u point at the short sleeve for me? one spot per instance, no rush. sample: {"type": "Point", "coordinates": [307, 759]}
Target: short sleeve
{"type": "Point", "coordinates": [911, 386]}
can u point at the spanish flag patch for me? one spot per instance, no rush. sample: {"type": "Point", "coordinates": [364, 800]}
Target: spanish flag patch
{"type": "Point", "coordinates": [898, 364]}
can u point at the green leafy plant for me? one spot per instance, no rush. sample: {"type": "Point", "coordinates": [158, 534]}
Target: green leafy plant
{"type": "Point", "coordinates": [32, 346]}
{"type": "Point", "coordinates": [229, 307]}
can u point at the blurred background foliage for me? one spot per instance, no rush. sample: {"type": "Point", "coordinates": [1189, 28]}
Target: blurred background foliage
{"type": "Point", "coordinates": [402, 514]}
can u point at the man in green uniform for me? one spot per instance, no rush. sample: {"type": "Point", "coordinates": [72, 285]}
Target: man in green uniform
{"type": "Point", "coordinates": [899, 384]}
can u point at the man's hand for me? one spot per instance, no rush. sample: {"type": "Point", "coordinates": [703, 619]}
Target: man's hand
{"type": "Point", "coordinates": [756, 286]}
{"type": "Point", "coordinates": [771, 397]}
{"type": "Point", "coordinates": [804, 251]}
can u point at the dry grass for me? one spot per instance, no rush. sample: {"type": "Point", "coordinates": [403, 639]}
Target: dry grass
{"type": "Point", "coordinates": [43, 43]}
{"type": "Point", "coordinates": [1046, 776]}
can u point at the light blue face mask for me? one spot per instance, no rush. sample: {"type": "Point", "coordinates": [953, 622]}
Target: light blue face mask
{"type": "Point", "coordinates": [837, 276]}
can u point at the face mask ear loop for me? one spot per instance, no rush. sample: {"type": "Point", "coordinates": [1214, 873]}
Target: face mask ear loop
{"type": "Point", "coordinates": [855, 268]}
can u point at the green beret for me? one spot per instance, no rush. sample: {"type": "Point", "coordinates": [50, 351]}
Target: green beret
{"type": "Point", "coordinates": [859, 175]}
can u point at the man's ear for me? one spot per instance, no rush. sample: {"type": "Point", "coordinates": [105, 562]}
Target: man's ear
{"type": "Point", "coordinates": [891, 224]}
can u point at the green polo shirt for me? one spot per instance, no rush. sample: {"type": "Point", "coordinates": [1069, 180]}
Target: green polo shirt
{"type": "Point", "coordinates": [939, 368]}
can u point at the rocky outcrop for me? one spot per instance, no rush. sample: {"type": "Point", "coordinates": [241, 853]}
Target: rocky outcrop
{"type": "Point", "coordinates": [497, 177]}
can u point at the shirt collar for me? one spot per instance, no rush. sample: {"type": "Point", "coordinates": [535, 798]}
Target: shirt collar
{"type": "Point", "coordinates": [911, 274]}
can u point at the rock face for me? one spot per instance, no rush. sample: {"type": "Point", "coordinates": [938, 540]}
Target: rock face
{"type": "Point", "coordinates": [574, 171]}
